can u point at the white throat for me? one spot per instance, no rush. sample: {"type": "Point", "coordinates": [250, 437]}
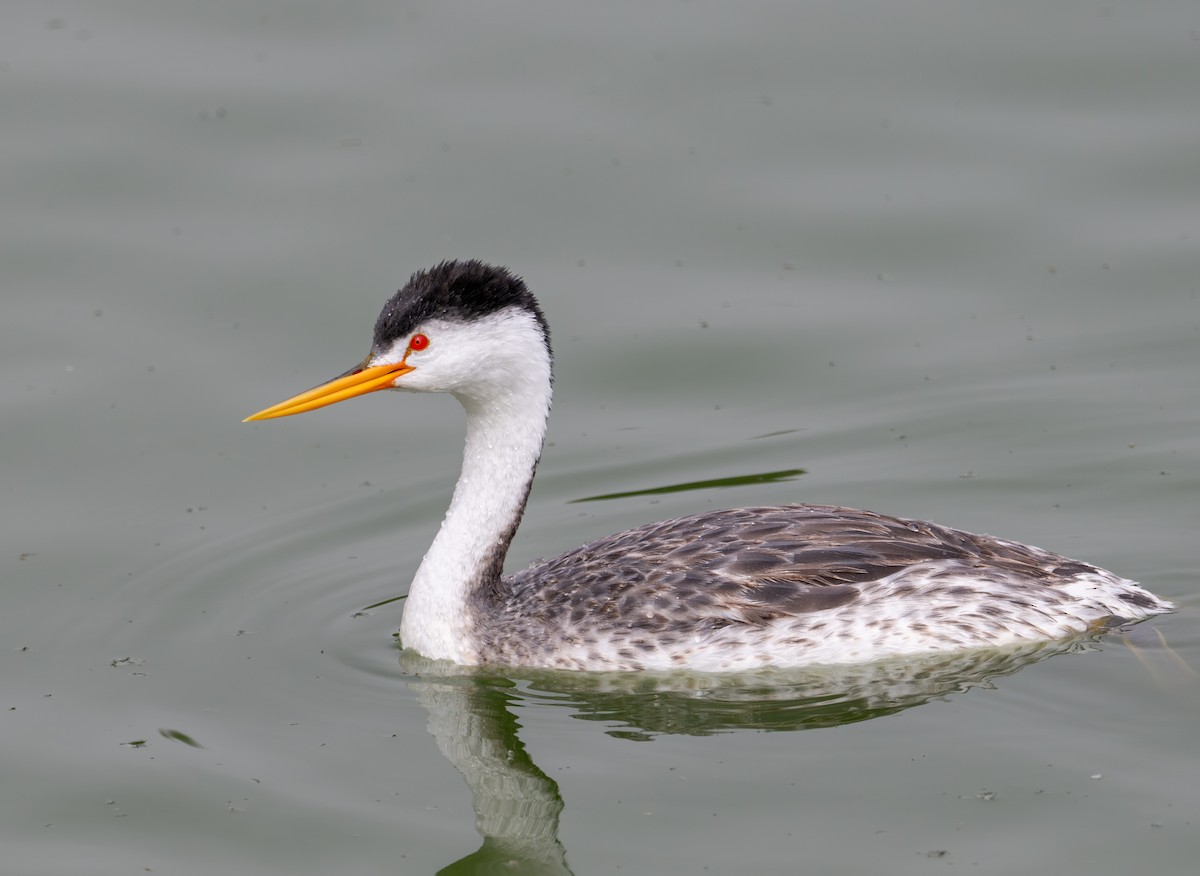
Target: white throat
{"type": "Point", "coordinates": [507, 400]}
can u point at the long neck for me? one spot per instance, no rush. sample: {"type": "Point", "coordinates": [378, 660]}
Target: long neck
{"type": "Point", "coordinates": [462, 568]}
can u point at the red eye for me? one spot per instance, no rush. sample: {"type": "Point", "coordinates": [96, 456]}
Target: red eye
{"type": "Point", "coordinates": [418, 343]}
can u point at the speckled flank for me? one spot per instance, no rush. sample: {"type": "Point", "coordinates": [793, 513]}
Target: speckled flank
{"type": "Point", "coordinates": [790, 586]}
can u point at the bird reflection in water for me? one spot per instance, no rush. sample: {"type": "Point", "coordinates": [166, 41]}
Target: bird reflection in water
{"type": "Point", "coordinates": [517, 806]}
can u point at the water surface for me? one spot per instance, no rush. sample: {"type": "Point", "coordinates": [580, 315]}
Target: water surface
{"type": "Point", "coordinates": [941, 260]}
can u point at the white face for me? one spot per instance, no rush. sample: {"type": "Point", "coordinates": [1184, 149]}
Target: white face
{"type": "Point", "coordinates": [491, 356]}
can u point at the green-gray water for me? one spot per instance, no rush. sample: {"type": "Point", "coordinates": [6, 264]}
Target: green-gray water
{"type": "Point", "coordinates": [937, 260]}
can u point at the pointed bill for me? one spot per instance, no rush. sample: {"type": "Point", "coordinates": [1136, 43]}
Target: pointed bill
{"type": "Point", "coordinates": [359, 380]}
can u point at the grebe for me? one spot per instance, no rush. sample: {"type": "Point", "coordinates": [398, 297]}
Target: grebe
{"type": "Point", "coordinates": [717, 591]}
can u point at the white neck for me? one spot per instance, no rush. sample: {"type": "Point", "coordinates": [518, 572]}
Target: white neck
{"type": "Point", "coordinates": [506, 424]}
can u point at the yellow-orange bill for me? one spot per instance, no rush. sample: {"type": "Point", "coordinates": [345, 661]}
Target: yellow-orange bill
{"type": "Point", "coordinates": [356, 381]}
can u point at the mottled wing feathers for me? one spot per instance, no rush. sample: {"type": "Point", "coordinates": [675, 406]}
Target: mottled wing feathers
{"type": "Point", "coordinates": [747, 566]}
{"type": "Point", "coordinates": [771, 598]}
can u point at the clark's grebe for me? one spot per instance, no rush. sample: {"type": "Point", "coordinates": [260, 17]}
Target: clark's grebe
{"type": "Point", "coordinates": [716, 591]}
